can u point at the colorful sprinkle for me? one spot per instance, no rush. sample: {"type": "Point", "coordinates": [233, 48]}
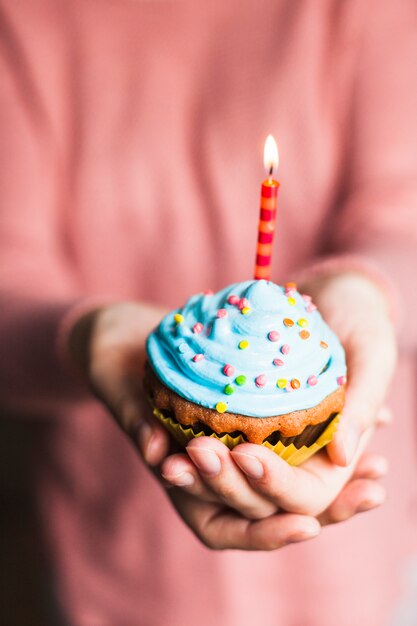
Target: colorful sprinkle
{"type": "Point", "coordinates": [221, 407]}
{"type": "Point", "coordinates": [289, 388]}
{"type": "Point", "coordinates": [311, 308]}
{"type": "Point", "coordinates": [198, 357]}
{"type": "Point", "coordinates": [306, 298]}
{"type": "Point", "coordinates": [240, 380]}
{"type": "Point", "coordinates": [282, 383]}
{"type": "Point", "coordinates": [208, 292]}
{"type": "Point", "coordinates": [246, 310]}
{"type": "Point", "coordinates": [324, 345]}
{"type": "Point", "coordinates": [198, 328]}
{"type": "Point", "coordinates": [278, 362]}
{"type": "Point", "coordinates": [287, 322]}
{"type": "Point", "coordinates": [285, 348]}
{"type": "Point", "coordinates": [304, 334]}
{"type": "Point", "coordinates": [260, 381]}
{"type": "Point", "coordinates": [302, 322]}
{"type": "Point", "coordinates": [221, 313]}
{"type": "Point", "coordinates": [312, 380]}
{"type": "Point", "coordinates": [228, 370]}
{"type": "Point", "coordinates": [292, 301]}
{"type": "Point", "coordinates": [234, 300]}
{"type": "Point", "coordinates": [295, 383]}
{"type": "Point", "coordinates": [243, 344]}
{"type": "Point", "coordinates": [290, 286]}
{"type": "Point", "coordinates": [243, 303]}
{"type": "Point", "coordinates": [182, 348]}
{"type": "Point", "coordinates": [178, 318]}
{"type": "Point", "coordinates": [341, 380]}
{"type": "Point", "coordinates": [229, 390]}
{"type": "Point", "coordinates": [273, 335]}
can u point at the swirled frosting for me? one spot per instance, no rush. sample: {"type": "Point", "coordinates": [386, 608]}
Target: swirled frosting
{"type": "Point", "coordinates": [254, 348]}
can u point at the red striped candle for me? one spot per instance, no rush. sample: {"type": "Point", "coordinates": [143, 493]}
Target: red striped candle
{"type": "Point", "coordinates": [269, 202]}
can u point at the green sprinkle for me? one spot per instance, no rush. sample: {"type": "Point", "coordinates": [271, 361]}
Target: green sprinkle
{"type": "Point", "coordinates": [240, 380]}
{"type": "Point", "coordinates": [229, 390]}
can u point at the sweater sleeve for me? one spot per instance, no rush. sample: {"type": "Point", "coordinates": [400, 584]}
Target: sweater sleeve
{"type": "Point", "coordinates": [37, 286]}
{"type": "Point", "coordinates": [375, 222]}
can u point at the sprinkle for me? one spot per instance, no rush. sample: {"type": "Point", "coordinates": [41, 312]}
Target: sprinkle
{"type": "Point", "coordinates": [240, 380]}
{"type": "Point", "coordinates": [304, 334]}
{"type": "Point", "coordinates": [311, 307]}
{"type": "Point", "coordinates": [278, 362]}
{"type": "Point", "coordinates": [285, 348]}
{"type": "Point", "coordinates": [228, 370]}
{"type": "Point", "coordinates": [302, 322]}
{"type": "Point", "coordinates": [243, 303]}
{"type": "Point", "coordinates": [234, 300]}
{"type": "Point", "coordinates": [289, 388]}
{"type": "Point", "coordinates": [288, 322]}
{"type": "Point", "coordinates": [306, 298]}
{"type": "Point", "coordinates": [198, 357]}
{"type": "Point", "coordinates": [198, 328]}
{"type": "Point", "coordinates": [295, 383]}
{"type": "Point", "coordinates": [208, 292]}
{"type": "Point", "coordinates": [243, 344]}
{"type": "Point", "coordinates": [324, 345]}
{"type": "Point", "coordinates": [182, 348]}
{"type": "Point", "coordinates": [292, 301]}
{"type": "Point", "coordinates": [221, 313]}
{"type": "Point", "coordinates": [178, 318]}
{"type": "Point", "coordinates": [282, 383]}
{"type": "Point", "coordinates": [260, 381]}
{"type": "Point", "coordinates": [290, 286]}
{"type": "Point", "coordinates": [341, 380]}
{"type": "Point", "coordinates": [221, 407]}
{"type": "Point", "coordinates": [229, 390]}
{"type": "Point", "coordinates": [312, 380]}
{"type": "Point", "coordinates": [273, 335]}
{"type": "Point", "coordinates": [245, 310]}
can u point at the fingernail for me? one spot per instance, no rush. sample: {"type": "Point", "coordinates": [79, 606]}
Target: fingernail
{"type": "Point", "coordinates": [206, 460]}
{"type": "Point", "coordinates": [303, 535]}
{"type": "Point", "coordinates": [249, 464]}
{"type": "Point", "coordinates": [369, 504]}
{"type": "Point", "coordinates": [184, 479]}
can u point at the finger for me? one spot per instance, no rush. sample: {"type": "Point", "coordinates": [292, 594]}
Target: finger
{"type": "Point", "coordinates": [223, 477]}
{"type": "Point", "coordinates": [368, 377]}
{"type": "Point", "coordinates": [179, 471]}
{"type": "Point", "coordinates": [307, 489]}
{"type": "Point", "coordinates": [148, 434]}
{"type": "Point", "coordinates": [222, 529]}
{"type": "Point", "coordinates": [371, 465]}
{"type": "Point", "coordinates": [358, 496]}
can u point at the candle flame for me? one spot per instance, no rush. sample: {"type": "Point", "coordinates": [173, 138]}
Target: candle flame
{"type": "Point", "coordinates": [271, 157]}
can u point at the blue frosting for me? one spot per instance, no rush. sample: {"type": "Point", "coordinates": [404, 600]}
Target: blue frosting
{"type": "Point", "coordinates": [173, 345]}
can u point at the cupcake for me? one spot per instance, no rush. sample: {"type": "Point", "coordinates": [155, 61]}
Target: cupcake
{"type": "Point", "coordinates": [254, 362]}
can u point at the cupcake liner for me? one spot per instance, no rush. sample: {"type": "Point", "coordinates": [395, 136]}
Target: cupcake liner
{"type": "Point", "coordinates": [291, 454]}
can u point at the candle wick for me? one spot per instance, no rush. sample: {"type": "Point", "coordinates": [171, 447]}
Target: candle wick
{"type": "Point", "coordinates": [271, 171]}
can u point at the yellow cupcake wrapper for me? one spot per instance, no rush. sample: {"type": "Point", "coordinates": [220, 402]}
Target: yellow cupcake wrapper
{"type": "Point", "coordinates": [291, 454]}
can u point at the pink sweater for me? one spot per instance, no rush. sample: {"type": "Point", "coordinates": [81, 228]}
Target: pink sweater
{"type": "Point", "coordinates": [131, 137]}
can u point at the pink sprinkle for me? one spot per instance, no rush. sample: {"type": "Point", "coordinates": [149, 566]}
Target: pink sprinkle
{"type": "Point", "coordinates": [243, 303]}
{"type": "Point", "coordinates": [312, 380]}
{"type": "Point", "coordinates": [311, 307]}
{"type": "Point", "coordinates": [306, 298]}
{"type": "Point", "coordinates": [285, 348]}
{"type": "Point", "coordinates": [233, 300]}
{"type": "Point", "coordinates": [278, 362]}
{"type": "Point", "coordinates": [228, 370]}
{"type": "Point", "coordinates": [198, 357]}
{"type": "Point", "coordinates": [341, 380]}
{"type": "Point", "coordinates": [260, 381]}
{"type": "Point", "coordinates": [198, 328]}
{"type": "Point", "coordinates": [221, 313]}
{"type": "Point", "coordinates": [289, 388]}
{"type": "Point", "coordinates": [208, 292]}
{"type": "Point", "coordinates": [290, 293]}
{"type": "Point", "coordinates": [273, 335]}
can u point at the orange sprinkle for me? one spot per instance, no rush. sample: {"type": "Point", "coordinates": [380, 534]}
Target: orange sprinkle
{"type": "Point", "coordinates": [295, 383]}
{"type": "Point", "coordinates": [288, 322]}
{"type": "Point", "coordinates": [289, 286]}
{"type": "Point", "coordinates": [304, 334]}
{"type": "Point", "coordinates": [324, 345]}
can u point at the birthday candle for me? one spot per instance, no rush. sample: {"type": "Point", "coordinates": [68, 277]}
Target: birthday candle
{"type": "Point", "coordinates": [269, 202]}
